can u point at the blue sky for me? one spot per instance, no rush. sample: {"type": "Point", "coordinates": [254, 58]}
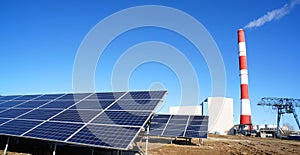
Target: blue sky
{"type": "Point", "coordinates": [39, 42]}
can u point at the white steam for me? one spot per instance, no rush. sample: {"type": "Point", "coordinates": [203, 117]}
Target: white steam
{"type": "Point", "coordinates": [273, 15]}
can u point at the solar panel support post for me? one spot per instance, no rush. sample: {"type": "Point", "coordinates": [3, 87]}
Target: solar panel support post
{"type": "Point", "coordinates": [92, 150]}
{"type": "Point", "coordinates": [119, 152]}
{"type": "Point", "coordinates": [200, 141]}
{"type": "Point", "coordinates": [6, 146]}
{"type": "Point", "coordinates": [54, 150]}
{"type": "Point", "coordinates": [147, 140]}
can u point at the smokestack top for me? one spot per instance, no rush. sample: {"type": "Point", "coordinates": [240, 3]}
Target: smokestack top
{"type": "Point", "coordinates": [241, 35]}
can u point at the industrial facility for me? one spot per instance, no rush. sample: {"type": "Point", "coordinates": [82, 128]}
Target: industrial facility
{"type": "Point", "coordinates": [114, 120]}
{"type": "Point", "coordinates": [149, 77]}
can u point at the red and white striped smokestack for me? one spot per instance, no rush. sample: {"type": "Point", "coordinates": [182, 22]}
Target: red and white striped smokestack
{"type": "Point", "coordinates": [245, 101]}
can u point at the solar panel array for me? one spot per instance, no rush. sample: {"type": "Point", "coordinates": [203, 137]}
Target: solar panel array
{"type": "Point", "coordinates": [109, 120]}
{"type": "Point", "coordinates": [179, 126]}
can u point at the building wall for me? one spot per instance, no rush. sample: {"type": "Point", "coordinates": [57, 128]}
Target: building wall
{"type": "Point", "coordinates": [219, 110]}
{"type": "Point", "coordinates": [186, 110]}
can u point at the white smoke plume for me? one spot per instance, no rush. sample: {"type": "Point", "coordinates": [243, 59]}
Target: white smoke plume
{"type": "Point", "coordinates": [273, 15]}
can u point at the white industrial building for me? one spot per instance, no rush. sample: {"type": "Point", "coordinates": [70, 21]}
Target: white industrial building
{"type": "Point", "coordinates": [219, 110]}
{"type": "Point", "coordinates": [186, 110]}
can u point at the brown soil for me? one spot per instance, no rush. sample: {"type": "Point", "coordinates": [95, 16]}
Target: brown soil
{"type": "Point", "coordinates": [223, 145]}
{"type": "Point", "coordinates": [218, 145]}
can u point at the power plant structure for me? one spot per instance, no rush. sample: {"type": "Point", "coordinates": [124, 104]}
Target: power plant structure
{"type": "Point", "coordinates": [283, 106]}
{"type": "Point", "coordinates": [245, 118]}
{"type": "Point", "coordinates": [220, 109]}
{"type": "Point", "coordinates": [117, 121]}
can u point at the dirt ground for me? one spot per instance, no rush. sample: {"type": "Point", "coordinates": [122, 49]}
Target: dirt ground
{"type": "Point", "coordinates": [217, 144]}
{"type": "Point", "coordinates": [222, 145]}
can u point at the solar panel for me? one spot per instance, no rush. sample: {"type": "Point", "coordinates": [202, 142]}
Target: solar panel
{"type": "Point", "coordinates": [93, 104]}
{"type": "Point", "coordinates": [40, 114]}
{"type": "Point", "coordinates": [173, 133]}
{"type": "Point", "coordinates": [49, 97]}
{"type": "Point", "coordinates": [54, 131]}
{"type": "Point", "coordinates": [116, 137]}
{"type": "Point", "coordinates": [76, 115]}
{"type": "Point", "coordinates": [6, 98]}
{"type": "Point", "coordinates": [131, 118]}
{"type": "Point", "coordinates": [179, 126]}
{"type": "Point", "coordinates": [106, 96]}
{"type": "Point", "coordinates": [144, 95]}
{"type": "Point", "coordinates": [12, 113]}
{"type": "Point", "coordinates": [74, 96]}
{"type": "Point", "coordinates": [135, 105]}
{"type": "Point", "coordinates": [17, 127]}
{"type": "Point", "coordinates": [2, 120]}
{"type": "Point", "coordinates": [106, 119]}
{"type": "Point", "coordinates": [59, 104]}
{"type": "Point", "coordinates": [31, 104]}
{"type": "Point", "coordinates": [195, 134]}
{"type": "Point", "coordinates": [27, 97]}
{"type": "Point", "coordinates": [10, 104]}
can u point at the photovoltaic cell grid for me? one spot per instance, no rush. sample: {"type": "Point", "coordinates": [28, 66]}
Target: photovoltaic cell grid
{"type": "Point", "coordinates": [93, 104]}
{"type": "Point", "coordinates": [132, 118]}
{"type": "Point", "coordinates": [101, 135]}
{"type": "Point", "coordinates": [179, 126]}
{"type": "Point", "coordinates": [109, 120]}
{"type": "Point", "coordinates": [6, 98]}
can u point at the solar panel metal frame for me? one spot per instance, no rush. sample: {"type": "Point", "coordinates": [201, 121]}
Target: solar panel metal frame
{"type": "Point", "coordinates": [120, 98]}
{"type": "Point", "coordinates": [165, 124]}
{"type": "Point", "coordinates": [84, 124]}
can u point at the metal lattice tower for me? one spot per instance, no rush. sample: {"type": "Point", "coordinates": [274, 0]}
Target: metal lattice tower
{"type": "Point", "coordinates": [283, 106]}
